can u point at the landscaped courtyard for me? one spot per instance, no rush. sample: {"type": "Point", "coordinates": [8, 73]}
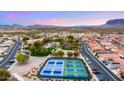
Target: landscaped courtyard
{"type": "Point", "coordinates": [30, 68]}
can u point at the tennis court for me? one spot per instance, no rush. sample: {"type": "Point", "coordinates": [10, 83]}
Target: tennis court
{"type": "Point", "coordinates": [66, 68]}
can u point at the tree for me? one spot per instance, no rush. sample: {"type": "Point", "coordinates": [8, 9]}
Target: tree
{"type": "Point", "coordinates": [69, 54]}
{"type": "Point", "coordinates": [62, 42]}
{"type": "Point", "coordinates": [74, 45]}
{"type": "Point", "coordinates": [70, 37]}
{"type": "Point", "coordinates": [122, 75]}
{"type": "Point", "coordinates": [38, 43]}
{"type": "Point", "coordinates": [32, 48]}
{"type": "Point", "coordinates": [46, 40]}
{"type": "Point", "coordinates": [60, 53]}
{"type": "Point", "coordinates": [76, 54]}
{"type": "Point", "coordinates": [25, 38]}
{"type": "Point", "coordinates": [43, 51]}
{"type": "Point", "coordinates": [4, 74]}
{"type": "Point", "coordinates": [29, 45]}
{"type": "Point", "coordinates": [68, 46]}
{"type": "Point", "coordinates": [55, 54]}
{"type": "Point", "coordinates": [36, 36]}
{"type": "Point", "coordinates": [22, 57]}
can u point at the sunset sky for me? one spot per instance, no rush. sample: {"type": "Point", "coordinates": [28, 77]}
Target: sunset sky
{"type": "Point", "coordinates": [57, 18]}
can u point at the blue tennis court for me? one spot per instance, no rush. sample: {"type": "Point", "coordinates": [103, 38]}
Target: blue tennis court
{"type": "Point", "coordinates": [64, 68]}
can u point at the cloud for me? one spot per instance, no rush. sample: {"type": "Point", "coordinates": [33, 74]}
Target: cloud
{"type": "Point", "coordinates": [11, 16]}
{"type": "Point", "coordinates": [94, 22]}
{"type": "Point", "coordinates": [54, 21]}
{"type": "Point", "coordinates": [66, 21]}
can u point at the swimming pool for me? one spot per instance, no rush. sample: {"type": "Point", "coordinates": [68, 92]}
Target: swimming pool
{"type": "Point", "coordinates": [67, 68]}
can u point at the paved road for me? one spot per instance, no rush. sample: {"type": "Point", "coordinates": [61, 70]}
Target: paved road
{"type": "Point", "coordinates": [105, 72]}
{"type": "Point", "coordinates": [11, 53]}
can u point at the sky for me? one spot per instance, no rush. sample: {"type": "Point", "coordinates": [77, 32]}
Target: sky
{"type": "Point", "coordinates": [58, 18]}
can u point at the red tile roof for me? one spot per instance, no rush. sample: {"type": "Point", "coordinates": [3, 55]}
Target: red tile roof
{"type": "Point", "coordinates": [121, 69]}
{"type": "Point", "coordinates": [118, 51]}
{"type": "Point", "coordinates": [97, 49]}
{"type": "Point", "coordinates": [111, 46]}
{"type": "Point", "coordinates": [118, 60]}
{"type": "Point", "coordinates": [108, 56]}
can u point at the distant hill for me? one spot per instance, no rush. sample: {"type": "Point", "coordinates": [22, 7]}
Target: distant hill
{"type": "Point", "coordinates": [17, 26]}
{"type": "Point", "coordinates": [115, 23]}
{"type": "Point", "coordinates": [11, 26]}
{"type": "Point", "coordinates": [39, 26]}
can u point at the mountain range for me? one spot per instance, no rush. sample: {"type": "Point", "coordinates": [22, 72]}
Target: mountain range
{"type": "Point", "coordinates": [115, 23]}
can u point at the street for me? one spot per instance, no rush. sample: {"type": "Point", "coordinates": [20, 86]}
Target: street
{"type": "Point", "coordinates": [11, 54]}
{"type": "Point", "coordinates": [105, 73]}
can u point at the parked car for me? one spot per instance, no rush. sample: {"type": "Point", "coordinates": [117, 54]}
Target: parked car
{"type": "Point", "coordinates": [103, 79]}
{"type": "Point", "coordinates": [115, 63]}
{"type": "Point", "coordinates": [89, 62]}
{"type": "Point", "coordinates": [95, 71]}
{"type": "Point", "coordinates": [12, 61]}
{"type": "Point", "coordinates": [1, 58]}
{"type": "Point", "coordinates": [104, 62]}
{"type": "Point", "coordinates": [7, 66]}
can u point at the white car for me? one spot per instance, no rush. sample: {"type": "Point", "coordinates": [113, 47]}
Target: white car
{"type": "Point", "coordinates": [12, 60]}
{"type": "Point", "coordinates": [1, 58]}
